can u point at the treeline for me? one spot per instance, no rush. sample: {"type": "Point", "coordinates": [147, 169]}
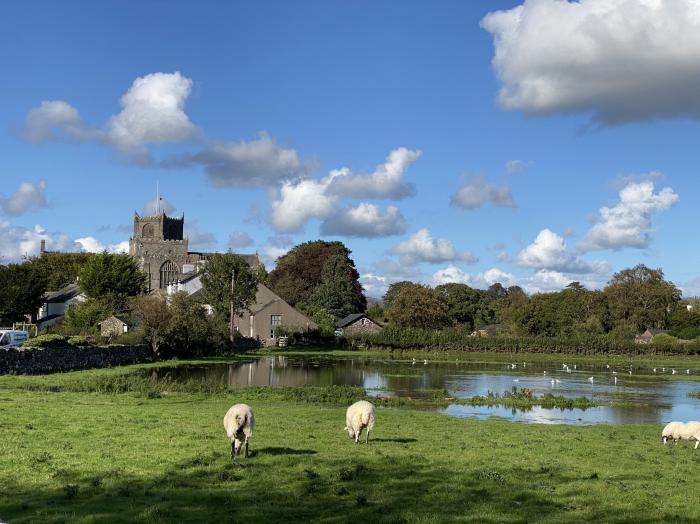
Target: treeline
{"type": "Point", "coordinates": [634, 300]}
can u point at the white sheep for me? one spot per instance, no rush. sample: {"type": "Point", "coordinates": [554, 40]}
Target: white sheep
{"type": "Point", "coordinates": [239, 423]}
{"type": "Point", "coordinates": [673, 430]}
{"type": "Point", "coordinates": [692, 432]}
{"type": "Point", "coordinates": [360, 415]}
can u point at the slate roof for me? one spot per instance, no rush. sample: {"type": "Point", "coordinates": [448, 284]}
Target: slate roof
{"type": "Point", "coordinates": [350, 319]}
{"type": "Point", "coordinates": [63, 294]}
{"type": "Point", "coordinates": [112, 317]}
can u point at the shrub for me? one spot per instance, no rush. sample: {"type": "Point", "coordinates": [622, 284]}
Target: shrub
{"type": "Point", "coordinates": [664, 339]}
{"type": "Point", "coordinates": [47, 341]}
{"type": "Point", "coordinates": [79, 340]}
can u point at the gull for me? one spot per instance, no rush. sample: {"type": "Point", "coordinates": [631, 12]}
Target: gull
{"type": "Point", "coordinates": [687, 372]}
{"type": "Point", "coordinates": [552, 382]}
{"type": "Point", "coordinates": [568, 370]}
{"type": "Point", "coordinates": [654, 370]}
{"type": "Point", "coordinates": [673, 372]}
{"type": "Point", "coordinates": [614, 372]}
{"type": "Point", "coordinates": [615, 380]}
{"type": "Point", "coordinates": [544, 372]}
{"type": "Point", "coordinates": [513, 366]}
{"type": "Point", "coordinates": [425, 362]}
{"type": "Point", "coordinates": [630, 372]}
{"type": "Point", "coordinates": [558, 381]}
{"type": "Point", "coordinates": [607, 366]}
{"type": "Point", "coordinates": [590, 379]}
{"type": "Point", "coordinates": [516, 380]}
{"type": "Point", "coordinates": [663, 369]}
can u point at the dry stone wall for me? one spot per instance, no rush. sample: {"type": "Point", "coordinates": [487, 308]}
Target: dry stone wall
{"type": "Point", "coordinates": [29, 361]}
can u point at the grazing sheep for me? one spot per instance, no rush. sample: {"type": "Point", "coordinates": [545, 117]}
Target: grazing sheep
{"type": "Point", "coordinates": [692, 432]}
{"type": "Point", "coordinates": [359, 415]}
{"type": "Point", "coordinates": [239, 423]}
{"type": "Point", "coordinates": [673, 430]}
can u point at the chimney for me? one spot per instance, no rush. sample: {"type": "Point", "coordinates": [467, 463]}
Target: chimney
{"type": "Point", "coordinates": [42, 249]}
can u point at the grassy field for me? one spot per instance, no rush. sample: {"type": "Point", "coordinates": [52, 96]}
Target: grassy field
{"type": "Point", "coordinates": [162, 456]}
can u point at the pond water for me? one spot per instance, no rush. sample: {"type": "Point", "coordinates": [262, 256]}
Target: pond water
{"type": "Point", "coordinates": [661, 394]}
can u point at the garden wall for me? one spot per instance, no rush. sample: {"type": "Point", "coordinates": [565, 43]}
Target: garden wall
{"type": "Point", "coordinates": [28, 361]}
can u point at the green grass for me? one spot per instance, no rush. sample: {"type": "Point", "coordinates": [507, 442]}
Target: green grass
{"type": "Point", "coordinates": [68, 456]}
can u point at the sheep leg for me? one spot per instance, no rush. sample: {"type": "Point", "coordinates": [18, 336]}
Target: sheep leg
{"type": "Point", "coordinates": [697, 442]}
{"type": "Point", "coordinates": [246, 447]}
{"type": "Point", "coordinates": [367, 437]}
{"type": "Point", "coordinates": [233, 452]}
{"type": "Point", "coordinates": [357, 436]}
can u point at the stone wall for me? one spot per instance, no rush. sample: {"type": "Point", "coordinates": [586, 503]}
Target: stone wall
{"type": "Point", "coordinates": [28, 361]}
{"type": "Point", "coordinates": [363, 325]}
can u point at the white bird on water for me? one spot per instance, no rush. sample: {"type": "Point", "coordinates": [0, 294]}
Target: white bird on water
{"type": "Point", "coordinates": [558, 381]}
{"type": "Point", "coordinates": [544, 372]}
{"type": "Point", "coordinates": [687, 372]}
{"type": "Point", "coordinates": [590, 379]}
{"type": "Point", "coordinates": [425, 362]}
{"type": "Point", "coordinates": [615, 380]}
{"type": "Point", "coordinates": [513, 366]}
{"type": "Point", "coordinates": [654, 370]}
{"type": "Point", "coordinates": [630, 371]}
{"type": "Point", "coordinates": [614, 372]}
{"type": "Point", "coordinates": [516, 380]}
{"type": "Point", "coordinates": [673, 372]}
{"type": "Point", "coordinates": [552, 382]}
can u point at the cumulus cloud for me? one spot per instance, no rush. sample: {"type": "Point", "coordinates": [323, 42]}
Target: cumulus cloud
{"type": "Point", "coordinates": [422, 247]}
{"type": "Point", "coordinates": [55, 120]}
{"type": "Point", "coordinates": [240, 239]}
{"type": "Point", "coordinates": [152, 113]}
{"type": "Point", "coordinates": [196, 236]}
{"type": "Point", "coordinates": [28, 197]}
{"type": "Point", "coordinates": [377, 278]}
{"type": "Point", "coordinates": [549, 251]}
{"type": "Point", "coordinates": [270, 254]}
{"type": "Point", "coordinates": [628, 223]}
{"type": "Point", "coordinates": [475, 192]}
{"type": "Point", "coordinates": [92, 245]}
{"type": "Point", "coordinates": [158, 205]}
{"type": "Point", "coordinates": [17, 242]}
{"type": "Point", "coordinates": [298, 202]}
{"type": "Point", "coordinates": [385, 182]}
{"type": "Point", "coordinates": [453, 274]}
{"type": "Point", "coordinates": [622, 61]}
{"type": "Point", "coordinates": [366, 221]}
{"type": "Point", "coordinates": [256, 163]}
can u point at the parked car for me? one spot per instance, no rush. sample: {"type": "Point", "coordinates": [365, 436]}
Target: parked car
{"type": "Point", "coordinates": [13, 338]}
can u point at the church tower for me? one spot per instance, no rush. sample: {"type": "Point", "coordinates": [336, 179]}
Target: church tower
{"type": "Point", "coordinates": [159, 246]}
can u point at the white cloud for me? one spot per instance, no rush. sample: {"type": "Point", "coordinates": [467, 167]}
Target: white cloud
{"type": "Point", "coordinates": [548, 251]}
{"type": "Point", "coordinates": [155, 207]}
{"type": "Point", "coordinates": [374, 285]}
{"type": "Point", "coordinates": [28, 197]}
{"type": "Point", "coordinates": [255, 163]}
{"type": "Point", "coordinates": [453, 274]}
{"type": "Point", "coordinates": [384, 182]}
{"type": "Point", "coordinates": [298, 202]}
{"type": "Point", "coordinates": [384, 272]}
{"type": "Point", "coordinates": [628, 223]}
{"type": "Point", "coordinates": [152, 113]}
{"type": "Point", "coordinates": [366, 221]}
{"type": "Point", "coordinates": [56, 120]}
{"type": "Point", "coordinates": [422, 247]}
{"type": "Point", "coordinates": [270, 254]}
{"type": "Point", "coordinates": [503, 256]}
{"type": "Point", "coordinates": [475, 192]}
{"type": "Point", "coordinates": [92, 245]}
{"type": "Point", "coordinates": [240, 239]}
{"type": "Point", "coordinates": [622, 60]}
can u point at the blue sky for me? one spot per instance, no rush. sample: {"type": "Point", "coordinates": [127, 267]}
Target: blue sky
{"type": "Point", "coordinates": [267, 121]}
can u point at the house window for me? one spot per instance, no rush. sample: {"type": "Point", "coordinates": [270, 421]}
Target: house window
{"type": "Point", "coordinates": [275, 321]}
{"type": "Point", "coordinates": [168, 274]}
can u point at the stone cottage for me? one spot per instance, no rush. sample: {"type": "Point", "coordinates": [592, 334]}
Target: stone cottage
{"type": "Point", "coordinates": [357, 323]}
{"type": "Point", "coordinates": [113, 327]}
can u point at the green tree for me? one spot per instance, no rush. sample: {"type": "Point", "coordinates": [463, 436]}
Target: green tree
{"type": "Point", "coordinates": [376, 313]}
{"type": "Point", "coordinates": [325, 321]}
{"type": "Point", "coordinates": [112, 278]}
{"type": "Point", "coordinates": [467, 306]}
{"type": "Point", "coordinates": [642, 297]}
{"type": "Point", "coordinates": [189, 328]}
{"type": "Point", "coordinates": [299, 272]}
{"type": "Point", "coordinates": [393, 291]}
{"type": "Point", "coordinates": [154, 315]}
{"type": "Point", "coordinates": [21, 292]}
{"type": "Point", "coordinates": [420, 307]}
{"type": "Point", "coordinates": [58, 269]}
{"type": "Point", "coordinates": [82, 319]}
{"type": "Point", "coordinates": [339, 292]}
{"type": "Point", "coordinates": [216, 284]}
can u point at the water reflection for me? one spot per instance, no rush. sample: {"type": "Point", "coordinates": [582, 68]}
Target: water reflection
{"type": "Point", "coordinates": [660, 397]}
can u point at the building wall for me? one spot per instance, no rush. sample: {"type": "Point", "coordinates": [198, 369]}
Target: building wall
{"type": "Point", "coordinates": [362, 325]}
{"type": "Point", "coordinates": [112, 327]}
{"type": "Point", "coordinates": [59, 308]}
{"type": "Point", "coordinates": [258, 323]}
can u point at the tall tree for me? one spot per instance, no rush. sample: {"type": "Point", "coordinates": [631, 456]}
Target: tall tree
{"type": "Point", "coordinates": [339, 291]}
{"type": "Point", "coordinates": [21, 292]}
{"type": "Point", "coordinates": [58, 269]}
{"type": "Point", "coordinates": [466, 306]}
{"type": "Point", "coordinates": [418, 306]}
{"type": "Point", "coordinates": [112, 278]}
{"type": "Point", "coordinates": [216, 284]}
{"type": "Point", "coordinates": [299, 272]}
{"type": "Point", "coordinates": [155, 316]}
{"type": "Point", "coordinates": [641, 296]}
{"type": "Point", "coordinates": [393, 291]}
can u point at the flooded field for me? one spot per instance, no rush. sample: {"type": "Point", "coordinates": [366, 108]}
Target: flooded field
{"type": "Point", "coordinates": [659, 394]}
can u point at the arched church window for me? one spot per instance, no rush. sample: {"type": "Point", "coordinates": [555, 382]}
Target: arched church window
{"type": "Point", "coordinates": [168, 274]}
{"type": "Point", "coordinates": [147, 231]}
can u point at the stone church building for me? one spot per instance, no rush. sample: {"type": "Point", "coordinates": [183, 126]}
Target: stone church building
{"type": "Point", "coordinates": [159, 245]}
